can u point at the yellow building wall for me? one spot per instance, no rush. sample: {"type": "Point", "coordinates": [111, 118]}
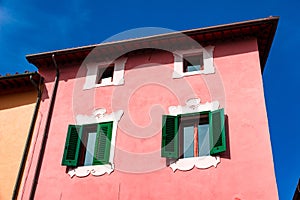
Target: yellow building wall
{"type": "Point", "coordinates": [16, 111]}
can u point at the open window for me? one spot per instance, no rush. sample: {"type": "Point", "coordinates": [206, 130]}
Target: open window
{"type": "Point", "coordinates": [193, 62]}
{"type": "Point", "coordinates": [193, 134]}
{"type": "Point", "coordinates": [105, 74]}
{"type": "Point", "coordinates": [88, 145]}
{"type": "Point", "coordinates": [100, 74]}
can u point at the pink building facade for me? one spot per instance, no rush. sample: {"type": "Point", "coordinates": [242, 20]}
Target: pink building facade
{"type": "Point", "coordinates": [172, 116]}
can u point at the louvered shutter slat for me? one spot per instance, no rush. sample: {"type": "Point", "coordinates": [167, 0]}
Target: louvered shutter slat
{"type": "Point", "coordinates": [169, 148]}
{"type": "Point", "coordinates": [103, 143]}
{"type": "Point", "coordinates": [72, 146]}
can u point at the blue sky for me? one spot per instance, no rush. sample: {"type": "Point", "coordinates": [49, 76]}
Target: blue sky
{"type": "Point", "coordinates": [32, 26]}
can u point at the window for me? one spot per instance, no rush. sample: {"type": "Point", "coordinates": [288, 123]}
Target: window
{"type": "Point", "coordinates": [105, 75]}
{"type": "Point", "coordinates": [88, 145]}
{"type": "Point", "coordinates": [193, 63]}
{"type": "Point", "coordinates": [193, 135]}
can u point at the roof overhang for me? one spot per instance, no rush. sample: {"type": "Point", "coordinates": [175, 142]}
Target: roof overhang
{"type": "Point", "coordinates": [263, 29]}
{"type": "Point", "coordinates": [19, 82]}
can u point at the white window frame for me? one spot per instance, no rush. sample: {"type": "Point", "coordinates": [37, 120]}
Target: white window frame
{"type": "Point", "coordinates": [185, 164]}
{"type": "Point", "coordinates": [99, 116]}
{"type": "Point", "coordinates": [92, 73]}
{"type": "Point", "coordinates": [208, 61]}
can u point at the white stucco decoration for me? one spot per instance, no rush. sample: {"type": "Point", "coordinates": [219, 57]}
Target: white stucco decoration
{"type": "Point", "coordinates": [208, 61]}
{"type": "Point", "coordinates": [96, 170]}
{"type": "Point", "coordinates": [194, 105]}
{"type": "Point", "coordinates": [92, 72]}
{"type": "Point", "coordinates": [203, 162]}
{"type": "Point", "coordinates": [98, 116]}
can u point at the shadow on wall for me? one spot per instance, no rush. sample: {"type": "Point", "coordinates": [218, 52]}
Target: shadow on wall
{"type": "Point", "coordinates": [145, 57]}
{"type": "Point", "coordinates": [235, 48]}
{"type": "Point", "coordinates": [45, 94]}
{"type": "Point", "coordinates": [17, 99]}
{"type": "Point", "coordinates": [13, 100]}
{"type": "Point", "coordinates": [226, 154]}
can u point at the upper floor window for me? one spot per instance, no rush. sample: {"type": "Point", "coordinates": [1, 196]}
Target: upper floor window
{"type": "Point", "coordinates": [105, 73]}
{"type": "Point", "coordinates": [193, 61]}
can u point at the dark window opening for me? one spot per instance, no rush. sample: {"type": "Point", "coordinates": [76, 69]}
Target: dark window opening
{"type": "Point", "coordinates": [104, 73]}
{"type": "Point", "coordinates": [193, 63]}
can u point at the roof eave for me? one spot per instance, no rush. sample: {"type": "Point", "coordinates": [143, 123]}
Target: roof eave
{"type": "Point", "coordinates": [273, 21]}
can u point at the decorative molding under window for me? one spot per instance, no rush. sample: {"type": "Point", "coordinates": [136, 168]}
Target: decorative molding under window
{"type": "Point", "coordinates": [95, 170]}
{"type": "Point", "coordinates": [193, 105]}
{"type": "Point", "coordinates": [184, 164]}
{"type": "Point", "coordinates": [98, 116]}
{"type": "Point", "coordinates": [92, 73]}
{"type": "Point", "coordinates": [204, 162]}
{"type": "Point", "coordinates": [208, 61]}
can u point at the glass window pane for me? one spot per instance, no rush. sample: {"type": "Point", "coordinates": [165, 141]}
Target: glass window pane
{"type": "Point", "coordinates": [203, 140]}
{"type": "Point", "coordinates": [192, 63]}
{"type": "Point", "coordinates": [188, 144]}
{"type": "Point", "coordinates": [90, 148]}
{"type": "Point", "coordinates": [193, 68]}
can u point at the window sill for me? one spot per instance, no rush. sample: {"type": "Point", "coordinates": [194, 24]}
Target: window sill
{"type": "Point", "coordinates": [183, 74]}
{"type": "Point", "coordinates": [95, 170]}
{"type": "Point", "coordinates": [204, 162]}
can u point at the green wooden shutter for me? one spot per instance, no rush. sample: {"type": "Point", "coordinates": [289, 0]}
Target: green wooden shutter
{"type": "Point", "coordinates": [72, 146]}
{"type": "Point", "coordinates": [169, 145]}
{"type": "Point", "coordinates": [217, 132]}
{"type": "Point", "coordinates": [102, 146]}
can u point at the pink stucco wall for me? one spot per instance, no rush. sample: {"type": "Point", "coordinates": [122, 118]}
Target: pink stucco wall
{"type": "Point", "coordinates": [248, 173]}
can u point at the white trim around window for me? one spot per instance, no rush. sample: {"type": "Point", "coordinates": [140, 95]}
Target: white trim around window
{"type": "Point", "coordinates": [99, 116]}
{"type": "Point", "coordinates": [92, 73]}
{"type": "Point", "coordinates": [208, 62]}
{"type": "Point", "coordinates": [193, 105]}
